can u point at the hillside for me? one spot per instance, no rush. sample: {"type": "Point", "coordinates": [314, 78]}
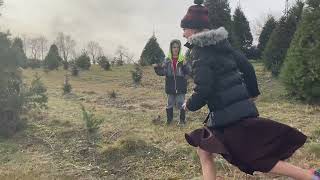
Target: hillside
{"type": "Point", "coordinates": [132, 143]}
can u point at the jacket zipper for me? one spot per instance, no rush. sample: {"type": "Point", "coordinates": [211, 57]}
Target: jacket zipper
{"type": "Point", "coordinates": [174, 76]}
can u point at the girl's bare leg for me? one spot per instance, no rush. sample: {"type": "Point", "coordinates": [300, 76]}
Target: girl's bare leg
{"type": "Point", "coordinates": [281, 168]}
{"type": "Point", "coordinates": [286, 169]}
{"type": "Point", "coordinates": [207, 164]}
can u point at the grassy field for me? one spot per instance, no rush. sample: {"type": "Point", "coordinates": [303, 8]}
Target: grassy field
{"type": "Point", "coordinates": [132, 143]}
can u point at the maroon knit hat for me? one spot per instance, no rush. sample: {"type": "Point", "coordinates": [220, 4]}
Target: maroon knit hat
{"type": "Point", "coordinates": [197, 17]}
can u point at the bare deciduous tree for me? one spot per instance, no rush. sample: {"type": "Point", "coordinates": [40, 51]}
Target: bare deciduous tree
{"type": "Point", "coordinates": [38, 46]}
{"type": "Point", "coordinates": [120, 54]}
{"type": "Point", "coordinates": [60, 42]}
{"type": "Point", "coordinates": [123, 55]}
{"type": "Point", "coordinates": [130, 58]}
{"type": "Point", "coordinates": [94, 50]}
{"type": "Point", "coordinates": [43, 43]}
{"type": "Point", "coordinates": [70, 47]}
{"type": "Point", "coordinates": [66, 45]}
{"type": "Point", "coordinates": [35, 47]}
{"type": "Point", "coordinates": [25, 42]}
{"type": "Point", "coordinates": [100, 52]}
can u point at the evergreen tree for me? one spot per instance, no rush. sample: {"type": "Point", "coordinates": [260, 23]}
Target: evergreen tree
{"type": "Point", "coordinates": [219, 14]}
{"type": "Point", "coordinates": [11, 99]}
{"type": "Point", "coordinates": [14, 97]}
{"type": "Point", "coordinates": [242, 37]}
{"type": "Point", "coordinates": [137, 74]}
{"type": "Point", "coordinates": [104, 63]}
{"type": "Point", "coordinates": [36, 97]}
{"type": "Point", "coordinates": [152, 53]}
{"type": "Point", "coordinates": [313, 3]}
{"type": "Point", "coordinates": [253, 53]}
{"type": "Point", "coordinates": [66, 85]}
{"type": "Point", "coordinates": [34, 63]}
{"type": "Point", "coordinates": [74, 70]}
{"type": "Point", "coordinates": [280, 39]}
{"type": "Point", "coordinates": [65, 65]}
{"type": "Point", "coordinates": [266, 33]}
{"type": "Point", "coordinates": [52, 60]}
{"type": "Point", "coordinates": [301, 70]}
{"type": "Point", "coordinates": [83, 61]}
{"type": "Point", "coordinates": [17, 46]}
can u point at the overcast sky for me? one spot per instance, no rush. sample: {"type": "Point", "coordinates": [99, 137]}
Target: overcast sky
{"type": "Point", "coordinates": [114, 22]}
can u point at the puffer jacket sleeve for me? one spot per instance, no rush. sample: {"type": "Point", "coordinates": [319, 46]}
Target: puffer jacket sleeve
{"type": "Point", "coordinates": [161, 69]}
{"type": "Point", "coordinates": [202, 75]}
{"type": "Point", "coordinates": [187, 68]}
{"type": "Point", "coordinates": [248, 73]}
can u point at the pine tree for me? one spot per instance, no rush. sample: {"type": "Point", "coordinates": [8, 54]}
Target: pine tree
{"type": "Point", "coordinates": [36, 97]}
{"type": "Point", "coordinates": [242, 37]}
{"type": "Point", "coordinates": [83, 61]}
{"type": "Point", "coordinates": [74, 70]}
{"type": "Point", "coordinates": [280, 39]}
{"type": "Point", "coordinates": [9, 63]}
{"type": "Point", "coordinates": [14, 97]}
{"type": "Point", "coordinates": [301, 70]}
{"type": "Point", "coordinates": [17, 46]}
{"type": "Point", "coordinates": [11, 99]}
{"type": "Point", "coordinates": [137, 74]}
{"type": "Point", "coordinates": [219, 14]}
{"type": "Point", "coordinates": [266, 33]}
{"type": "Point", "coordinates": [65, 65]}
{"type": "Point", "coordinates": [66, 85]}
{"type": "Point", "coordinates": [152, 53]}
{"type": "Point", "coordinates": [53, 59]}
{"type": "Point", "coordinates": [313, 3]}
{"type": "Point", "coordinates": [104, 62]}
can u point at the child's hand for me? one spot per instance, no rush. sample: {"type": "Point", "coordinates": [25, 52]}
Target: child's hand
{"type": "Point", "coordinates": [184, 106]}
{"type": "Point", "coordinates": [253, 99]}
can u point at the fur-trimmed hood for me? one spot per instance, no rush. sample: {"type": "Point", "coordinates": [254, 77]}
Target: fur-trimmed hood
{"type": "Point", "coordinates": [207, 38]}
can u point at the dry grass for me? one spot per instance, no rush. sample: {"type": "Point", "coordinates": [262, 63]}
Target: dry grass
{"type": "Point", "coordinates": [131, 146]}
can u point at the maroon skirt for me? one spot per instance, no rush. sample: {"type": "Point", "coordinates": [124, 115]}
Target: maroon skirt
{"type": "Point", "coordinates": [254, 144]}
